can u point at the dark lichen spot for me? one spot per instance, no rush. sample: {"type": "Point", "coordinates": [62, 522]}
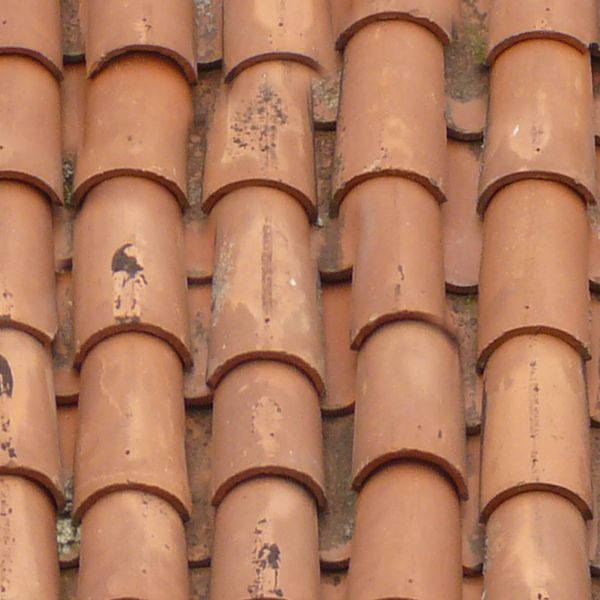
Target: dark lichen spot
{"type": "Point", "coordinates": [6, 378]}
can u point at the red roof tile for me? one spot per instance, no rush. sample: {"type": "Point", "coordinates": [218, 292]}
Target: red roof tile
{"type": "Point", "coordinates": [30, 125]}
{"type": "Point", "coordinates": [128, 270]}
{"type": "Point", "coordinates": [114, 29]}
{"type": "Point", "coordinates": [330, 335]}
{"type": "Point", "coordinates": [137, 116]}
{"type": "Point", "coordinates": [404, 98]}
{"type": "Point", "coordinates": [266, 543]}
{"type": "Point", "coordinates": [27, 293]}
{"type": "Point", "coordinates": [140, 554]}
{"type": "Point", "coordinates": [536, 422]}
{"type": "Point", "coordinates": [415, 551]}
{"type": "Point", "coordinates": [402, 412]}
{"type": "Point", "coordinates": [32, 28]}
{"type": "Point", "coordinates": [131, 383]}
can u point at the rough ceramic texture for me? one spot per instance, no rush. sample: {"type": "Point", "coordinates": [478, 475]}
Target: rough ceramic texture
{"type": "Point", "coordinates": [473, 532]}
{"type": "Point", "coordinates": [340, 360]}
{"type": "Point", "coordinates": [115, 28]}
{"type": "Point", "coordinates": [461, 223]}
{"type": "Point", "coordinates": [66, 377]}
{"type": "Point", "coordinates": [407, 538]}
{"type": "Point", "coordinates": [137, 115]}
{"type": "Point", "coordinates": [534, 267]}
{"type": "Point", "coordinates": [30, 125]}
{"type": "Point", "coordinates": [399, 266]}
{"type": "Point", "coordinates": [408, 402]}
{"type": "Point", "coordinates": [530, 135]}
{"type": "Point", "coordinates": [513, 21]}
{"type": "Point", "coordinates": [336, 521]}
{"type": "Point", "coordinates": [523, 530]}
{"type": "Point", "coordinates": [405, 133]}
{"type": "Point", "coordinates": [28, 434]}
{"type": "Point", "coordinates": [265, 285]}
{"type": "Point", "coordinates": [266, 420]}
{"type": "Point", "coordinates": [199, 454]}
{"type": "Point", "coordinates": [593, 365]}
{"type": "Point", "coordinates": [129, 272]}
{"type": "Point", "coordinates": [353, 15]}
{"type": "Point", "coordinates": [266, 542]}
{"type": "Point", "coordinates": [32, 28]}
{"type": "Point", "coordinates": [260, 134]}
{"type": "Point", "coordinates": [131, 383]}
{"type": "Point", "coordinates": [536, 423]}
{"type": "Point", "coordinates": [275, 30]}
{"type": "Point", "coordinates": [196, 390]}
{"type": "Point", "coordinates": [28, 557]}
{"type": "Point", "coordinates": [73, 106]}
{"type": "Point", "coordinates": [139, 555]}
{"type": "Point", "coordinates": [27, 294]}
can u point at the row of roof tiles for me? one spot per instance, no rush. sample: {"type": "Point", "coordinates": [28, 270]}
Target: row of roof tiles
{"type": "Point", "coordinates": [262, 197]}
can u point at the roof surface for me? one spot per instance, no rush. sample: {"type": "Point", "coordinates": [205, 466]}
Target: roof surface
{"type": "Point", "coordinates": [295, 300]}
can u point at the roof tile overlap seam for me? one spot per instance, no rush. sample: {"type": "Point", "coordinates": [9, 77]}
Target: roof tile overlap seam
{"type": "Point", "coordinates": [265, 347]}
{"type": "Point", "coordinates": [131, 325]}
{"type": "Point", "coordinates": [31, 479]}
{"type": "Point", "coordinates": [533, 333]}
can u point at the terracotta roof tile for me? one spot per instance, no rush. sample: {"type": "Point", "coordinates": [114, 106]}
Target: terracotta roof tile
{"type": "Point", "coordinates": [399, 256]}
{"type": "Point", "coordinates": [258, 135]}
{"type": "Point", "coordinates": [112, 565]}
{"type": "Point", "coordinates": [73, 45]}
{"type": "Point", "coordinates": [198, 446]}
{"type": "Point", "coordinates": [63, 218]}
{"type": "Point", "coordinates": [128, 267]}
{"type": "Point", "coordinates": [266, 542]}
{"type": "Point", "coordinates": [542, 525]}
{"type": "Point", "coordinates": [336, 520]}
{"type": "Point", "coordinates": [292, 31]}
{"type": "Point", "coordinates": [473, 540]}
{"type": "Point", "coordinates": [73, 109]}
{"type": "Point", "coordinates": [196, 390]}
{"type": "Point", "coordinates": [339, 359]}
{"type": "Point", "coordinates": [27, 293]}
{"type": "Point", "coordinates": [593, 366]}
{"type": "Point", "coordinates": [513, 21]}
{"type": "Point", "coordinates": [32, 28]}
{"type": "Point", "coordinates": [66, 377]}
{"type": "Point", "coordinates": [276, 429]}
{"type": "Point", "coordinates": [30, 125]}
{"type": "Point", "coordinates": [466, 75]}
{"type": "Point", "coordinates": [462, 313]}
{"type": "Point", "coordinates": [461, 223]}
{"type": "Point", "coordinates": [115, 28]}
{"type": "Point", "coordinates": [274, 313]}
{"type": "Point", "coordinates": [28, 557]}
{"type": "Point", "coordinates": [324, 277]}
{"type": "Point", "coordinates": [533, 271]}
{"type": "Point", "coordinates": [402, 411]}
{"type": "Point", "coordinates": [405, 134]}
{"type": "Point", "coordinates": [68, 533]}
{"type": "Point", "coordinates": [536, 423]}
{"type": "Point", "coordinates": [530, 135]}
{"type": "Point", "coordinates": [209, 32]}
{"type": "Point", "coordinates": [130, 383]}
{"type": "Point", "coordinates": [28, 437]}
{"type": "Point", "coordinates": [420, 536]}
{"type": "Point", "coordinates": [435, 15]}
{"type": "Point", "coordinates": [199, 236]}
{"type": "Point", "coordinates": [137, 116]}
